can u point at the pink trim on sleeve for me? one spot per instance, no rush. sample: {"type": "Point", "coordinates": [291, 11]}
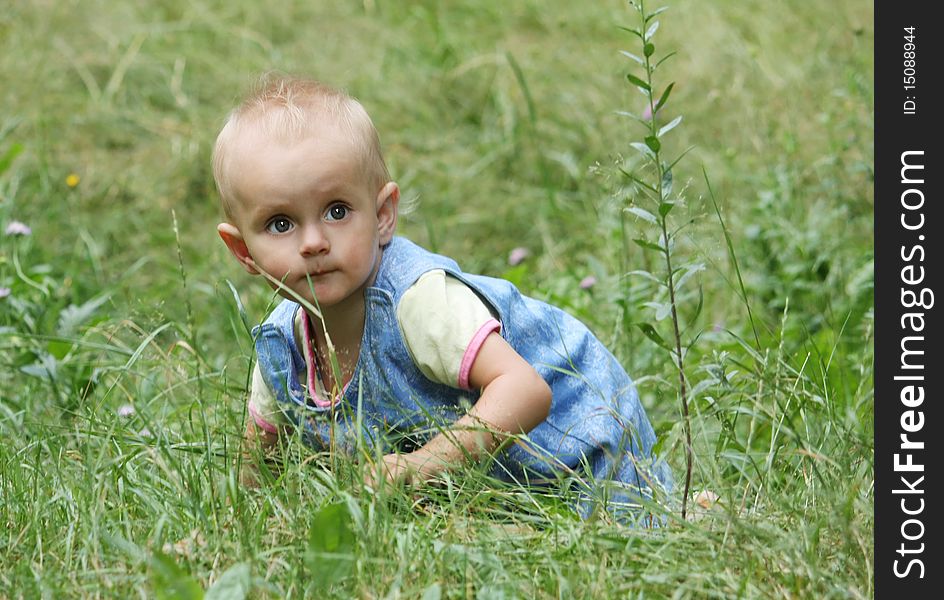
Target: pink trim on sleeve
{"type": "Point", "coordinates": [465, 367]}
{"type": "Point", "coordinates": [260, 422]}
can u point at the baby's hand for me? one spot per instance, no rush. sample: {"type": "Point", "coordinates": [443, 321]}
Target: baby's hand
{"type": "Point", "coordinates": [411, 468]}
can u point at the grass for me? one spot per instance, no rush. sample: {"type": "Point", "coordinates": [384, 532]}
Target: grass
{"type": "Point", "coordinates": [500, 120]}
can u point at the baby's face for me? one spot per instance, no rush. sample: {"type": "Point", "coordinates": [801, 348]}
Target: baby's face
{"type": "Point", "coordinates": [306, 209]}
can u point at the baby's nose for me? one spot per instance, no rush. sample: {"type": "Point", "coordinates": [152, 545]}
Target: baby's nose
{"type": "Point", "coordinates": [313, 241]}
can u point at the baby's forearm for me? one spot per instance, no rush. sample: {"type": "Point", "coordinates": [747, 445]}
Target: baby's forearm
{"type": "Point", "coordinates": [511, 404]}
{"type": "Point", "coordinates": [256, 442]}
{"type": "Point", "coordinates": [257, 438]}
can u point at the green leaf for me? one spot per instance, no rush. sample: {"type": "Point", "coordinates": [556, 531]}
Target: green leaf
{"type": "Point", "coordinates": [651, 31]}
{"type": "Point", "coordinates": [9, 156]}
{"type": "Point", "coordinates": [516, 274]}
{"type": "Point", "coordinates": [648, 245]}
{"type": "Point", "coordinates": [233, 584]}
{"type": "Point", "coordinates": [330, 552]}
{"type": "Point", "coordinates": [692, 270]}
{"type": "Point", "coordinates": [638, 82]}
{"type": "Point", "coordinates": [670, 126]}
{"type": "Point", "coordinates": [46, 368]}
{"type": "Point", "coordinates": [656, 13]}
{"type": "Point", "coordinates": [664, 58]}
{"type": "Point", "coordinates": [664, 97]}
{"type": "Point", "coordinates": [653, 143]}
{"type": "Point", "coordinates": [59, 348]}
{"type": "Point", "coordinates": [648, 50]}
{"type": "Point", "coordinates": [647, 275]}
{"type": "Point", "coordinates": [239, 307]}
{"type": "Point", "coordinates": [632, 31]}
{"type": "Point", "coordinates": [663, 309]}
{"type": "Point", "coordinates": [666, 187]}
{"type": "Point", "coordinates": [73, 316]}
{"type": "Point", "coordinates": [637, 118]}
{"type": "Point", "coordinates": [700, 305]}
{"type": "Point", "coordinates": [644, 150]}
{"type": "Point", "coordinates": [170, 582]}
{"type": "Point", "coordinates": [666, 207]}
{"type": "Point", "coordinates": [680, 157]}
{"type": "Point", "coordinates": [653, 335]}
{"type": "Point", "coordinates": [642, 214]}
{"type": "Point", "coordinates": [632, 56]}
{"type": "Point", "coordinates": [635, 180]}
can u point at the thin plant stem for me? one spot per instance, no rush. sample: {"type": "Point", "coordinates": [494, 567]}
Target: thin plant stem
{"type": "Point", "coordinates": [663, 217]}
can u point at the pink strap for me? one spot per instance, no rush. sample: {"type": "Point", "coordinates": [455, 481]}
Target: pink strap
{"type": "Point", "coordinates": [260, 422]}
{"type": "Point", "coordinates": [472, 351]}
{"type": "Point", "coordinates": [312, 360]}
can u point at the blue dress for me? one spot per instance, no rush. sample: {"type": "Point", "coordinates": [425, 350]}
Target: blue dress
{"type": "Point", "coordinates": [597, 431]}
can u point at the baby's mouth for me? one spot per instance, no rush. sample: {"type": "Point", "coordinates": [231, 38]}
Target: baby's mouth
{"type": "Point", "coordinates": [320, 273]}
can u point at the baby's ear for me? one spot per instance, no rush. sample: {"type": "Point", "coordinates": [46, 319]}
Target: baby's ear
{"type": "Point", "coordinates": [388, 202]}
{"type": "Point", "coordinates": [237, 246]}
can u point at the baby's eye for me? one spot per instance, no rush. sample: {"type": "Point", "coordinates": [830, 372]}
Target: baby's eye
{"type": "Point", "coordinates": [279, 225]}
{"type": "Point", "coordinates": [336, 212]}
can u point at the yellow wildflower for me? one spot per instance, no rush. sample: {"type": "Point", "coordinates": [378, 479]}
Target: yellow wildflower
{"type": "Point", "coordinates": [72, 180]}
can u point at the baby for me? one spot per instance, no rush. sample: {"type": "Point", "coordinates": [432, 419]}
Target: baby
{"type": "Point", "coordinates": [382, 343]}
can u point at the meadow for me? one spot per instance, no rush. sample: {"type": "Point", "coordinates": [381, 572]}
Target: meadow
{"type": "Point", "coordinates": [125, 353]}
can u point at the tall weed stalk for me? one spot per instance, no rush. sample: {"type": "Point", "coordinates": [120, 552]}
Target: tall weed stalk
{"type": "Point", "coordinates": [653, 202]}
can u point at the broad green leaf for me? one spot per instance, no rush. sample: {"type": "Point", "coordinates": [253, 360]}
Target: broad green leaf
{"type": "Point", "coordinates": [670, 126]}
{"type": "Point", "coordinates": [9, 156]}
{"type": "Point", "coordinates": [664, 97]}
{"type": "Point", "coordinates": [642, 214]}
{"type": "Point", "coordinates": [648, 50]}
{"type": "Point", "coordinates": [233, 584]}
{"type": "Point", "coordinates": [59, 348]}
{"type": "Point", "coordinates": [652, 334]}
{"type": "Point", "coordinates": [330, 552]}
{"type": "Point", "coordinates": [666, 207]}
{"type": "Point", "coordinates": [648, 245]}
{"type": "Point", "coordinates": [170, 582]}
{"type": "Point", "coordinates": [637, 82]}
{"type": "Point", "coordinates": [653, 143]}
{"type": "Point", "coordinates": [632, 56]}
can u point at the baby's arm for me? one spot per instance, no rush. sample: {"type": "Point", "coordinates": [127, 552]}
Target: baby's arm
{"type": "Point", "coordinates": [514, 400]}
{"type": "Point", "coordinates": [262, 430]}
{"type": "Point", "coordinates": [258, 444]}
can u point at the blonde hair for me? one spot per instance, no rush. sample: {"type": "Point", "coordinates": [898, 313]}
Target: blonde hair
{"type": "Point", "coordinates": [289, 109]}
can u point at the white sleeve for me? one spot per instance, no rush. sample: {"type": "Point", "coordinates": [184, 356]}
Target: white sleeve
{"type": "Point", "coordinates": [263, 406]}
{"type": "Point", "coordinates": [444, 324]}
